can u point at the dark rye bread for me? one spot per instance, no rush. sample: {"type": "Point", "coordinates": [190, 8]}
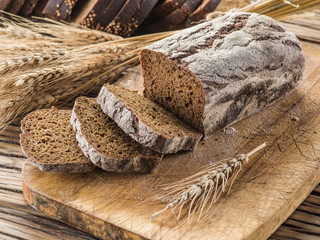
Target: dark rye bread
{"type": "Point", "coordinates": [142, 12]}
{"type": "Point", "coordinates": [162, 9]}
{"type": "Point", "coordinates": [38, 9]}
{"type": "Point", "coordinates": [59, 9]}
{"type": "Point", "coordinates": [15, 6]}
{"type": "Point", "coordinates": [175, 19]}
{"type": "Point", "coordinates": [200, 13]}
{"type": "Point", "coordinates": [146, 122]}
{"type": "Point", "coordinates": [108, 147]}
{"type": "Point", "coordinates": [4, 4]}
{"type": "Point", "coordinates": [49, 142]}
{"type": "Point", "coordinates": [28, 7]}
{"type": "Point", "coordinates": [224, 70]}
{"type": "Point", "coordinates": [94, 14]}
{"type": "Point", "coordinates": [119, 25]}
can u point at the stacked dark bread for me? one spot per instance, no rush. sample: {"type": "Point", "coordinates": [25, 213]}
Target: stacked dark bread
{"type": "Point", "coordinates": [121, 17]}
{"type": "Point", "coordinates": [195, 82]}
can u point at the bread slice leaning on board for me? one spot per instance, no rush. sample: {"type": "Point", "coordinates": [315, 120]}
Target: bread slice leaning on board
{"type": "Point", "coordinates": [105, 144]}
{"type": "Point", "coordinates": [221, 71]}
{"type": "Point", "coordinates": [49, 142]}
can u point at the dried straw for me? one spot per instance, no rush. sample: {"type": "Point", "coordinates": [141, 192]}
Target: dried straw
{"type": "Point", "coordinates": [204, 188]}
{"type": "Point", "coordinates": [45, 62]}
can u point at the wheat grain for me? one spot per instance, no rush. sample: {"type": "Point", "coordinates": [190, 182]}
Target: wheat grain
{"type": "Point", "coordinates": [205, 187]}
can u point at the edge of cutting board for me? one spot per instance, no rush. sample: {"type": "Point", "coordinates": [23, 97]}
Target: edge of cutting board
{"type": "Point", "coordinates": [267, 191]}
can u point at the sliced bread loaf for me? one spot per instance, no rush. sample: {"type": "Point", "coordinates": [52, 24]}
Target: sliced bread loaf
{"type": "Point", "coordinates": [147, 122]}
{"type": "Point", "coordinates": [49, 142]}
{"type": "Point", "coordinates": [106, 144]}
{"type": "Point", "coordinates": [221, 71]}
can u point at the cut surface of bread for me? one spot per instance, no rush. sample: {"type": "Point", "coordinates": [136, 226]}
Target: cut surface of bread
{"type": "Point", "coordinates": [108, 147]}
{"type": "Point", "coordinates": [146, 122]}
{"type": "Point", "coordinates": [49, 142]}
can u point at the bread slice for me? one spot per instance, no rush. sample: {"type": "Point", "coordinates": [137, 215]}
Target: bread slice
{"type": "Point", "coordinates": [175, 19]}
{"type": "Point", "coordinates": [146, 122]}
{"type": "Point", "coordinates": [200, 13]}
{"type": "Point", "coordinates": [38, 9]}
{"type": "Point", "coordinates": [28, 7]}
{"type": "Point", "coordinates": [137, 19]}
{"type": "Point", "coordinates": [119, 25]}
{"type": "Point", "coordinates": [59, 9]}
{"type": "Point", "coordinates": [223, 70]}
{"type": "Point", "coordinates": [49, 142]}
{"type": "Point", "coordinates": [161, 10]}
{"type": "Point", "coordinates": [106, 144]}
{"type": "Point", "coordinates": [15, 6]}
{"type": "Point", "coordinates": [4, 4]}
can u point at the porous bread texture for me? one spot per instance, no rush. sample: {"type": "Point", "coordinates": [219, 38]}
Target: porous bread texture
{"type": "Point", "coordinates": [49, 142]}
{"type": "Point", "coordinates": [146, 122]}
{"type": "Point", "coordinates": [224, 70]}
{"type": "Point", "coordinates": [105, 144]}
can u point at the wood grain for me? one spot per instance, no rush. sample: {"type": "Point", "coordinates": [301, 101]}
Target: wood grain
{"type": "Point", "coordinates": [270, 187]}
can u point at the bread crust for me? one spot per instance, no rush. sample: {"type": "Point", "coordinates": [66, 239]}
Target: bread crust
{"type": "Point", "coordinates": [26, 141]}
{"type": "Point", "coordinates": [59, 9]}
{"type": "Point", "coordinates": [146, 162]}
{"type": "Point", "coordinates": [140, 131]}
{"type": "Point", "coordinates": [244, 62]}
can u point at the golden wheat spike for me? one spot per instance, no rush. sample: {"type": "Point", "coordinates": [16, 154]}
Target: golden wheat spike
{"type": "Point", "coordinates": [205, 187]}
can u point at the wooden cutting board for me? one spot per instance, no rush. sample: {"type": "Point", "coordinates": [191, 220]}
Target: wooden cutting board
{"type": "Point", "coordinates": [267, 191]}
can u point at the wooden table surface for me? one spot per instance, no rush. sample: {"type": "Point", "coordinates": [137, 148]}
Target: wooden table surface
{"type": "Point", "coordinates": [20, 221]}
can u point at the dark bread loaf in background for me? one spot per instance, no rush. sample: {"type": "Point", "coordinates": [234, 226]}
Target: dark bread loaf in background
{"type": "Point", "coordinates": [28, 7]}
{"type": "Point", "coordinates": [224, 70]}
{"type": "Point", "coordinates": [15, 6]}
{"type": "Point", "coordinates": [4, 4]}
{"type": "Point", "coordinates": [59, 9]}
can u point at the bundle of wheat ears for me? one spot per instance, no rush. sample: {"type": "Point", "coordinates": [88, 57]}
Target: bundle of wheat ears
{"type": "Point", "coordinates": [200, 191]}
{"type": "Point", "coordinates": [44, 63]}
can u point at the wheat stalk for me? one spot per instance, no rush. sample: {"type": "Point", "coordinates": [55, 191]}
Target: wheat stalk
{"type": "Point", "coordinates": [49, 49]}
{"type": "Point", "coordinates": [204, 188]}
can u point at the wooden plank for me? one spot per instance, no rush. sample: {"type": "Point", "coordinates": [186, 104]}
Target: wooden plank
{"type": "Point", "coordinates": [20, 225]}
{"type": "Point", "coordinates": [267, 191]}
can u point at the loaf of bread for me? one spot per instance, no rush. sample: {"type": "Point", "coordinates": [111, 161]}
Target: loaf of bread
{"type": "Point", "coordinates": [221, 71]}
{"type": "Point", "coordinates": [105, 144]}
{"type": "Point", "coordinates": [146, 122]}
{"type": "Point", "coordinates": [49, 142]}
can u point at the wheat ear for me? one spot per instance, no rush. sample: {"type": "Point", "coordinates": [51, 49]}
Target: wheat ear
{"type": "Point", "coordinates": [204, 187]}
